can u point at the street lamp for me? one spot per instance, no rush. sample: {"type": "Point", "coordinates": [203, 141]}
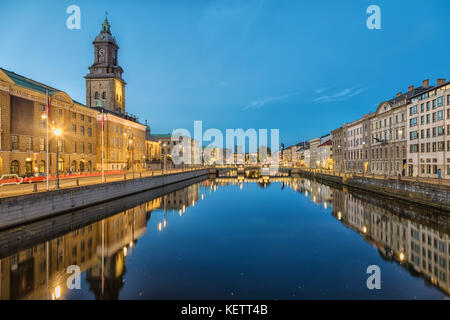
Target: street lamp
{"type": "Point", "coordinates": [57, 133]}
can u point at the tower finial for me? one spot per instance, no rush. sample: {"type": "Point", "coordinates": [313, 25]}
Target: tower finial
{"type": "Point", "coordinates": [105, 26]}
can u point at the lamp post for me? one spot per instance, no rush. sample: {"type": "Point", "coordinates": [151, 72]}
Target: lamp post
{"type": "Point", "coordinates": [57, 133]}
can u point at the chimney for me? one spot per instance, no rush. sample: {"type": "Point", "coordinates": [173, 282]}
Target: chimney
{"type": "Point", "coordinates": [441, 82]}
{"type": "Point", "coordinates": [410, 88]}
{"type": "Point", "coordinates": [426, 83]}
{"type": "Point", "coordinates": [399, 94]}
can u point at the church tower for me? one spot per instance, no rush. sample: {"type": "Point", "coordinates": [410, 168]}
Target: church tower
{"type": "Point", "coordinates": [104, 84]}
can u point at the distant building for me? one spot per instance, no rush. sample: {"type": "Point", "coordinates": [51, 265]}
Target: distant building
{"type": "Point", "coordinates": [314, 144]}
{"type": "Point", "coordinates": [325, 155]}
{"type": "Point", "coordinates": [338, 149]}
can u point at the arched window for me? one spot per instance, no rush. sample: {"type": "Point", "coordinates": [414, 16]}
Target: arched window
{"type": "Point", "coordinates": [81, 166]}
{"type": "Point", "coordinates": [42, 167]}
{"type": "Point", "coordinates": [96, 95]}
{"type": "Point", "coordinates": [61, 165]}
{"type": "Point", "coordinates": [104, 95]}
{"type": "Point", "coordinates": [14, 167]}
{"type": "Point", "coordinates": [73, 166]}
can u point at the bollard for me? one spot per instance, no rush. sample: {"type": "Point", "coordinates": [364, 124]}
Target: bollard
{"type": "Point", "coordinates": [140, 175]}
{"type": "Point", "coordinates": [124, 176]}
{"type": "Point", "coordinates": [78, 182]}
{"type": "Point", "coordinates": [35, 189]}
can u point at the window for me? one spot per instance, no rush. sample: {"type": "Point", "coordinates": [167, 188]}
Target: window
{"type": "Point", "coordinates": [104, 95]}
{"type": "Point", "coordinates": [413, 135]}
{"type": "Point", "coordinates": [96, 95]}
{"type": "Point", "coordinates": [41, 144]}
{"type": "Point", "coordinates": [82, 130]}
{"type": "Point", "coordinates": [14, 169]}
{"type": "Point", "coordinates": [440, 101]}
{"type": "Point", "coordinates": [29, 146]}
{"type": "Point", "coordinates": [81, 117]}
{"type": "Point", "coordinates": [74, 148]}
{"type": "Point", "coordinates": [434, 104]}
{"type": "Point", "coordinates": [89, 132]}
{"type": "Point", "coordinates": [89, 119]}
{"type": "Point", "coordinates": [413, 122]}
{"type": "Point", "coordinates": [15, 142]}
{"type": "Point", "coordinates": [440, 130]}
{"type": "Point", "coordinates": [440, 146]}
{"type": "Point", "coordinates": [41, 124]}
{"type": "Point", "coordinates": [74, 128]}
{"type": "Point", "coordinates": [440, 115]}
{"type": "Point", "coordinates": [89, 147]}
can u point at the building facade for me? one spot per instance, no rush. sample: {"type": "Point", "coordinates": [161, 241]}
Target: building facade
{"type": "Point", "coordinates": [23, 147]}
{"type": "Point", "coordinates": [313, 159]}
{"type": "Point", "coordinates": [338, 149]}
{"type": "Point", "coordinates": [389, 134]}
{"type": "Point", "coordinates": [428, 132]}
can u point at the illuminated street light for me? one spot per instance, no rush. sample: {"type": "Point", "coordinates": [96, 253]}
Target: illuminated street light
{"type": "Point", "coordinates": [57, 133]}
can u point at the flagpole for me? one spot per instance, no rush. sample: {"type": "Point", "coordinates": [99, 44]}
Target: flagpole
{"type": "Point", "coordinates": [103, 130]}
{"type": "Point", "coordinates": [48, 119]}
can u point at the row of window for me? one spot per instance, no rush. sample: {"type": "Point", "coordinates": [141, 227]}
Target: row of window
{"type": "Point", "coordinates": [382, 153]}
{"type": "Point", "coordinates": [379, 124]}
{"type": "Point", "coordinates": [426, 119]}
{"type": "Point", "coordinates": [42, 145]}
{"type": "Point", "coordinates": [74, 115]}
{"type": "Point", "coordinates": [436, 103]}
{"type": "Point", "coordinates": [429, 147]}
{"type": "Point", "coordinates": [428, 133]}
{"type": "Point", "coordinates": [74, 130]}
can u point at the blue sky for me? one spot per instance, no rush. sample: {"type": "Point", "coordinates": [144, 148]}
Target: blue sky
{"type": "Point", "coordinates": [304, 67]}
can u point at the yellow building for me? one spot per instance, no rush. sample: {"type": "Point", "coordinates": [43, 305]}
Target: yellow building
{"type": "Point", "coordinates": [23, 129]}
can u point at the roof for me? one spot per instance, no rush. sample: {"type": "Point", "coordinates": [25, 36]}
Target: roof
{"type": "Point", "coordinates": [429, 89]}
{"type": "Point", "coordinates": [29, 83]}
{"type": "Point", "coordinates": [164, 135]}
{"type": "Point", "coordinates": [326, 143]}
{"type": "Point", "coordinates": [408, 95]}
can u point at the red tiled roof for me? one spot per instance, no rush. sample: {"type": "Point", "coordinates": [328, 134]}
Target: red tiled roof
{"type": "Point", "coordinates": [326, 143]}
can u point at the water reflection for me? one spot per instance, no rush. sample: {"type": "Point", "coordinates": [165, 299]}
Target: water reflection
{"type": "Point", "coordinates": [99, 249]}
{"type": "Point", "coordinates": [413, 237]}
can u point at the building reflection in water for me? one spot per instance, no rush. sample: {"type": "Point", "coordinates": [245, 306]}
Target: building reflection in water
{"type": "Point", "coordinates": [413, 237]}
{"type": "Point", "coordinates": [99, 249]}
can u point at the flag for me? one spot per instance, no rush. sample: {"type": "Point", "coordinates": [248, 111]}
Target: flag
{"type": "Point", "coordinates": [103, 121]}
{"type": "Point", "coordinates": [47, 107]}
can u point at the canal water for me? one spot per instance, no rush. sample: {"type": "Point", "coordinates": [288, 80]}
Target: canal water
{"type": "Point", "coordinates": [229, 238]}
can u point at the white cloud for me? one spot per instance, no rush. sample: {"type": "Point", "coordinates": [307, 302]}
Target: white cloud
{"type": "Point", "coordinates": [256, 104]}
{"type": "Point", "coordinates": [340, 96]}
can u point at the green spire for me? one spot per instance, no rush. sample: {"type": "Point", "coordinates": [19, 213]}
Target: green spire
{"type": "Point", "coordinates": [105, 26]}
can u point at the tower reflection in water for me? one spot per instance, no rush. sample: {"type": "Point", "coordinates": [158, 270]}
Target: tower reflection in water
{"type": "Point", "coordinates": [99, 249]}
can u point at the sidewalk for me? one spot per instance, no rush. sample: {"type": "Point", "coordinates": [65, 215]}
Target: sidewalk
{"type": "Point", "coordinates": [381, 177]}
{"type": "Point", "coordinates": [78, 181]}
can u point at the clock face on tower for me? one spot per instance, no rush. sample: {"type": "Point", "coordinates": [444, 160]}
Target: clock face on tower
{"type": "Point", "coordinates": [101, 55]}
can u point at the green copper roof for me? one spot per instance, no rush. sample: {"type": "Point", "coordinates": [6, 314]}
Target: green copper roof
{"type": "Point", "coordinates": [34, 85]}
{"type": "Point", "coordinates": [29, 83]}
{"type": "Point", "coordinates": [105, 26]}
{"type": "Point", "coordinates": [167, 135]}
